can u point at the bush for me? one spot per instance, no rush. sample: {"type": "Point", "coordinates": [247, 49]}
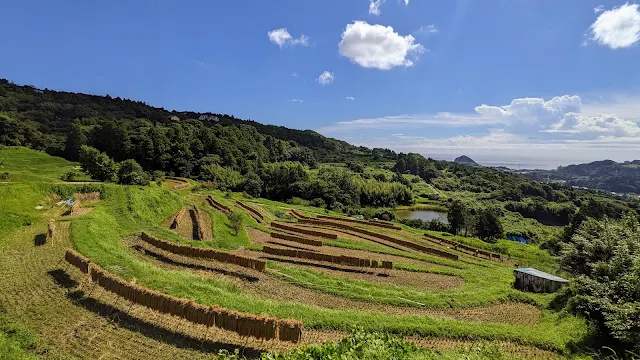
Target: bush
{"type": "Point", "coordinates": [131, 173]}
{"type": "Point", "coordinates": [235, 221]}
{"type": "Point", "coordinates": [97, 164]}
{"type": "Point", "coordinates": [4, 176]}
{"type": "Point", "coordinates": [488, 226]}
{"type": "Point", "coordinates": [69, 176]}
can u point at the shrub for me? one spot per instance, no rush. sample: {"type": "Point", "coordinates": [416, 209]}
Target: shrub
{"type": "Point", "coordinates": [69, 176]}
{"type": "Point", "coordinates": [131, 173]}
{"type": "Point", "coordinates": [235, 221]}
{"type": "Point", "coordinates": [97, 164]}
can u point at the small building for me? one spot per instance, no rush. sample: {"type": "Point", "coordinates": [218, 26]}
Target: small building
{"type": "Point", "coordinates": [173, 118]}
{"type": "Point", "coordinates": [534, 280]}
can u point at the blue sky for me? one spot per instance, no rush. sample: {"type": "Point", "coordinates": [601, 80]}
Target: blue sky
{"type": "Point", "coordinates": [499, 80]}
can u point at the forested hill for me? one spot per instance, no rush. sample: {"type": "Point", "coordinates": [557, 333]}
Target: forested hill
{"type": "Point", "coordinates": [603, 175]}
{"type": "Point", "coordinates": [46, 116]}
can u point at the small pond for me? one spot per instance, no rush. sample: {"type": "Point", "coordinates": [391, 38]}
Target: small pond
{"type": "Point", "coordinates": [425, 215]}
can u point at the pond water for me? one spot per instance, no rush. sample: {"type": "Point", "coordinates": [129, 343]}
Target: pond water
{"type": "Point", "coordinates": [425, 215]}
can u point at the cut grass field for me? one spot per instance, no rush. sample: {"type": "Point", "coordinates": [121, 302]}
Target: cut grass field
{"type": "Point", "coordinates": [479, 309]}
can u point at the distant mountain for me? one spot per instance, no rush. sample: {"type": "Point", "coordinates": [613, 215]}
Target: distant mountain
{"type": "Point", "coordinates": [605, 175]}
{"type": "Point", "coordinates": [464, 159]}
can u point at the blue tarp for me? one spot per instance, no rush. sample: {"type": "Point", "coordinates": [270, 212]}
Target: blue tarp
{"type": "Point", "coordinates": [517, 238]}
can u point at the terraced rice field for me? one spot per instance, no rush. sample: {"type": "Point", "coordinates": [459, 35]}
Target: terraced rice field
{"type": "Point", "coordinates": [434, 302]}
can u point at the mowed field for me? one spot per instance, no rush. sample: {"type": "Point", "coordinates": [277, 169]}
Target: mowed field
{"type": "Point", "coordinates": [332, 276]}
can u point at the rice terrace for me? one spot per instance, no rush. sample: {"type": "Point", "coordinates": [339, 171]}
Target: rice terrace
{"type": "Point", "coordinates": [118, 275]}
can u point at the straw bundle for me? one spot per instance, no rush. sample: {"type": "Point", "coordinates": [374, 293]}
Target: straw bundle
{"type": "Point", "coordinates": [298, 215]}
{"type": "Point", "coordinates": [303, 231]}
{"type": "Point", "coordinates": [290, 331]}
{"type": "Point", "coordinates": [311, 255]}
{"type": "Point", "coordinates": [459, 246]}
{"type": "Point", "coordinates": [253, 212]}
{"type": "Point", "coordinates": [192, 251]}
{"type": "Point", "coordinates": [376, 223]}
{"type": "Point", "coordinates": [77, 260]}
{"type": "Point", "coordinates": [261, 327]}
{"type": "Point", "coordinates": [51, 230]}
{"type": "Point", "coordinates": [178, 218]}
{"type": "Point", "coordinates": [182, 183]}
{"type": "Point", "coordinates": [218, 205]}
{"type": "Point", "coordinates": [297, 239]}
{"type": "Point", "coordinates": [409, 244]}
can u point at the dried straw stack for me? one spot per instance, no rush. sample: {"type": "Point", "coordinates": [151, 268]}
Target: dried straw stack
{"type": "Point", "coordinates": [258, 326]}
{"type": "Point", "coordinates": [182, 183]}
{"type": "Point", "coordinates": [51, 230]}
{"type": "Point", "coordinates": [178, 218]}
{"type": "Point", "coordinates": [74, 258]}
{"type": "Point", "coordinates": [193, 251]}
{"type": "Point", "coordinates": [296, 214]}
{"type": "Point", "coordinates": [459, 246]}
{"type": "Point", "coordinates": [377, 223]}
{"type": "Point", "coordinates": [311, 255]}
{"type": "Point", "coordinates": [218, 205]}
{"type": "Point", "coordinates": [298, 239]}
{"type": "Point", "coordinates": [409, 244]}
{"type": "Point", "coordinates": [253, 212]}
{"type": "Point", "coordinates": [303, 231]}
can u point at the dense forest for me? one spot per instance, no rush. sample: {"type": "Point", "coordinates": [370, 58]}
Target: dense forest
{"type": "Point", "coordinates": [605, 175]}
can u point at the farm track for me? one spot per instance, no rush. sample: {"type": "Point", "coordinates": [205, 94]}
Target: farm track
{"type": "Point", "coordinates": [270, 286]}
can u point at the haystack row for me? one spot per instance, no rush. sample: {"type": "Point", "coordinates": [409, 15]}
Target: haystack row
{"type": "Point", "coordinates": [218, 205]}
{"type": "Point", "coordinates": [74, 258]}
{"type": "Point", "coordinates": [178, 218]}
{"type": "Point", "coordinates": [303, 231]}
{"type": "Point", "coordinates": [203, 232]}
{"type": "Point", "coordinates": [458, 246]}
{"type": "Point", "coordinates": [298, 215]}
{"type": "Point", "coordinates": [253, 212]}
{"type": "Point", "coordinates": [51, 230]}
{"type": "Point", "coordinates": [360, 222]}
{"type": "Point", "coordinates": [261, 327]}
{"type": "Point", "coordinates": [297, 239]}
{"type": "Point", "coordinates": [335, 259]}
{"type": "Point", "coordinates": [409, 244]}
{"type": "Point", "coordinates": [193, 251]}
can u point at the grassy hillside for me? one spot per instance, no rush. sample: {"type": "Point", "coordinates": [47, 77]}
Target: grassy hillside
{"type": "Point", "coordinates": [470, 299]}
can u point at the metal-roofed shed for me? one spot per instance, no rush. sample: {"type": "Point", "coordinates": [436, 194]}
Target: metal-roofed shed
{"type": "Point", "coordinates": [534, 280]}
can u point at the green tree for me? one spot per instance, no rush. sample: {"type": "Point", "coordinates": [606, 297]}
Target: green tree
{"type": "Point", "coordinates": [455, 216]}
{"type": "Point", "coordinates": [605, 257]}
{"type": "Point", "coordinates": [76, 138]}
{"type": "Point", "coordinates": [131, 173]}
{"type": "Point", "coordinates": [252, 184]}
{"type": "Point", "coordinates": [235, 221]}
{"type": "Point", "coordinates": [97, 164]}
{"type": "Point", "coordinates": [488, 226]}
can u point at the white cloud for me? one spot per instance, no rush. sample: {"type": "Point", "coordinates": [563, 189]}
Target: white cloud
{"type": "Point", "coordinates": [201, 63]}
{"type": "Point", "coordinates": [294, 74]}
{"type": "Point", "coordinates": [406, 2]}
{"type": "Point", "coordinates": [377, 46]}
{"type": "Point", "coordinates": [618, 27]}
{"type": "Point", "coordinates": [281, 37]}
{"type": "Point", "coordinates": [561, 116]}
{"type": "Point", "coordinates": [326, 78]}
{"type": "Point", "coordinates": [296, 100]}
{"type": "Point", "coordinates": [598, 9]}
{"type": "Point", "coordinates": [350, 98]}
{"type": "Point", "coordinates": [429, 29]}
{"type": "Point", "coordinates": [374, 7]}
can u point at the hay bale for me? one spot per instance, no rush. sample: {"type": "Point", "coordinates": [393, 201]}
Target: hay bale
{"type": "Point", "coordinates": [77, 260]}
{"type": "Point", "coordinates": [51, 230]}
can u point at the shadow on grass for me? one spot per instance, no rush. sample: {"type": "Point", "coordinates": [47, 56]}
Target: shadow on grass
{"type": "Point", "coordinates": [148, 329]}
{"type": "Point", "coordinates": [40, 239]}
{"type": "Point", "coordinates": [62, 279]}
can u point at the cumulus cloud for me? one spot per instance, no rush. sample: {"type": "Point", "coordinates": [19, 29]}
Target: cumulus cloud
{"type": "Point", "coordinates": [406, 2]}
{"type": "Point", "coordinates": [618, 27]}
{"type": "Point", "coordinates": [560, 116]}
{"type": "Point", "coordinates": [378, 46]}
{"type": "Point", "coordinates": [350, 98]}
{"type": "Point", "coordinates": [281, 37]}
{"type": "Point", "coordinates": [296, 100]}
{"type": "Point", "coordinates": [598, 9]}
{"type": "Point", "coordinates": [429, 29]}
{"type": "Point", "coordinates": [326, 78]}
